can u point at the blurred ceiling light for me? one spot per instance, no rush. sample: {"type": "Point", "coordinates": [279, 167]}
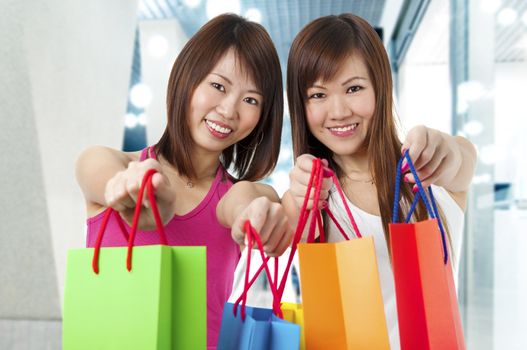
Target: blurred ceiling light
{"type": "Point", "coordinates": [473, 128]}
{"type": "Point", "coordinates": [215, 7]}
{"type": "Point", "coordinates": [489, 154]}
{"type": "Point", "coordinates": [469, 91]}
{"type": "Point", "coordinates": [130, 120]}
{"type": "Point", "coordinates": [507, 16]}
{"type": "Point", "coordinates": [481, 179]}
{"type": "Point", "coordinates": [192, 3]}
{"type": "Point", "coordinates": [462, 106]}
{"type": "Point", "coordinates": [141, 119]}
{"type": "Point", "coordinates": [254, 15]}
{"type": "Point", "coordinates": [490, 6]}
{"type": "Point", "coordinates": [140, 95]}
{"type": "Point", "coordinates": [157, 46]}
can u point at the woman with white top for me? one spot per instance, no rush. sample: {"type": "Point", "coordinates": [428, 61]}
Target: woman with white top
{"type": "Point", "coordinates": [339, 87]}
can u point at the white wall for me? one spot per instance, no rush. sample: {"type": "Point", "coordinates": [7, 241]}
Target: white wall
{"type": "Point", "coordinates": [511, 123]}
{"type": "Point", "coordinates": [65, 70]}
{"type": "Point", "coordinates": [156, 69]}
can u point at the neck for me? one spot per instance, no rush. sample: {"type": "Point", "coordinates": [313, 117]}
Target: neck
{"type": "Point", "coordinates": [356, 165]}
{"type": "Point", "coordinates": [205, 166]}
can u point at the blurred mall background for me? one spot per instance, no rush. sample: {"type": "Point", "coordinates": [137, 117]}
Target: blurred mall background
{"type": "Point", "coordinates": [77, 73]}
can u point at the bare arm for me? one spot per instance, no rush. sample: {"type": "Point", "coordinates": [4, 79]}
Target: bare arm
{"type": "Point", "coordinates": [94, 168]}
{"type": "Point", "coordinates": [110, 178]}
{"type": "Point", "coordinates": [259, 204]}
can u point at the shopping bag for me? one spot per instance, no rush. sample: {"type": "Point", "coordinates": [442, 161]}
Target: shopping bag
{"type": "Point", "coordinates": [427, 306]}
{"type": "Point", "coordinates": [244, 327]}
{"type": "Point", "coordinates": [153, 299]}
{"type": "Point", "coordinates": [295, 314]}
{"type": "Point", "coordinates": [341, 293]}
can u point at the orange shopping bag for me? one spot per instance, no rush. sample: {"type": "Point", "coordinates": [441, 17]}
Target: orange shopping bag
{"type": "Point", "coordinates": [427, 304]}
{"type": "Point", "coordinates": [340, 287]}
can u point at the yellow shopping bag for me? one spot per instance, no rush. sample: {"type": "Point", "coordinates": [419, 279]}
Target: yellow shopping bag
{"type": "Point", "coordinates": [295, 314]}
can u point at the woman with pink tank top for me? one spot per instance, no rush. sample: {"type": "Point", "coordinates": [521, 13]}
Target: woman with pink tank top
{"type": "Point", "coordinates": [224, 111]}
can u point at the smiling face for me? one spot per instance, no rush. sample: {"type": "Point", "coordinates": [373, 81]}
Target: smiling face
{"type": "Point", "coordinates": [225, 107]}
{"type": "Point", "coordinates": [339, 111]}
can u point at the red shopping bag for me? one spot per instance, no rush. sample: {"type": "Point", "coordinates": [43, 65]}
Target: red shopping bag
{"type": "Point", "coordinates": [427, 305]}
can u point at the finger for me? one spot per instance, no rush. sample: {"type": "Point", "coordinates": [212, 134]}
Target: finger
{"type": "Point", "coordinates": [132, 189]}
{"type": "Point", "coordinates": [299, 176]}
{"type": "Point", "coordinates": [415, 142]}
{"type": "Point", "coordinates": [430, 180]}
{"type": "Point", "coordinates": [275, 225]}
{"type": "Point", "coordinates": [425, 157]}
{"type": "Point", "coordinates": [300, 202]}
{"type": "Point", "coordinates": [430, 168]}
{"type": "Point", "coordinates": [117, 195]}
{"type": "Point", "coordinates": [286, 234]}
{"type": "Point", "coordinates": [238, 235]}
{"type": "Point", "coordinates": [305, 162]}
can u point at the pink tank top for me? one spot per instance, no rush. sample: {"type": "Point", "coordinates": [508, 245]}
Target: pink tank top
{"type": "Point", "coordinates": [199, 227]}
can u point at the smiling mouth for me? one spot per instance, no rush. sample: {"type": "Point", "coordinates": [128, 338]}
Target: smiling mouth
{"type": "Point", "coordinates": [218, 128]}
{"type": "Point", "coordinates": [344, 129]}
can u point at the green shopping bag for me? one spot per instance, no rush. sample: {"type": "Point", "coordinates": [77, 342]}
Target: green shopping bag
{"type": "Point", "coordinates": [158, 302]}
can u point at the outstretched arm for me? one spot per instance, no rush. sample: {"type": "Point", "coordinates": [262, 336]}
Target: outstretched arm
{"type": "Point", "coordinates": [259, 204]}
{"type": "Point", "coordinates": [441, 159]}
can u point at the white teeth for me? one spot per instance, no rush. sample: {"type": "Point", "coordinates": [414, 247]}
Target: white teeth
{"type": "Point", "coordinates": [218, 128]}
{"type": "Point", "coordinates": [345, 128]}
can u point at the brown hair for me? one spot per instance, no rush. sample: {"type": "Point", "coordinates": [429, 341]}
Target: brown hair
{"type": "Point", "coordinates": [256, 155]}
{"type": "Point", "coordinates": [317, 52]}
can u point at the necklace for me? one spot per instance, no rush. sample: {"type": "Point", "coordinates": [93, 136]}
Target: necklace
{"type": "Point", "coordinates": [370, 181]}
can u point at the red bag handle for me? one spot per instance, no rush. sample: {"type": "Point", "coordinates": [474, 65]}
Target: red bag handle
{"type": "Point", "coordinates": [252, 234]}
{"type": "Point", "coordinates": [145, 183]}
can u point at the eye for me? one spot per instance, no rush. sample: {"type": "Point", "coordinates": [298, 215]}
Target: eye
{"type": "Point", "coordinates": [354, 89]}
{"type": "Point", "coordinates": [218, 87]}
{"type": "Point", "coordinates": [251, 100]}
{"type": "Point", "coordinates": [317, 95]}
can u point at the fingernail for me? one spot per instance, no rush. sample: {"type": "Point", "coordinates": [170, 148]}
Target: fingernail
{"type": "Point", "coordinates": [415, 189]}
{"type": "Point", "coordinates": [405, 167]}
{"type": "Point", "coordinates": [328, 172]}
{"type": "Point", "coordinates": [406, 179]}
{"type": "Point", "coordinates": [324, 204]}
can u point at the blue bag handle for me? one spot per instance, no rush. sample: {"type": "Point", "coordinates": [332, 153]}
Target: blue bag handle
{"type": "Point", "coordinates": [431, 206]}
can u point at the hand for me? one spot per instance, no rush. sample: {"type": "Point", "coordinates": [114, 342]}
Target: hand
{"type": "Point", "coordinates": [122, 189]}
{"type": "Point", "coordinates": [269, 220]}
{"type": "Point", "coordinates": [435, 155]}
{"type": "Point", "coordinates": [299, 179]}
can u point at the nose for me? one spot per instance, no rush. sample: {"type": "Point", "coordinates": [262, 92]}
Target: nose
{"type": "Point", "coordinates": [227, 107]}
{"type": "Point", "coordinates": [339, 108]}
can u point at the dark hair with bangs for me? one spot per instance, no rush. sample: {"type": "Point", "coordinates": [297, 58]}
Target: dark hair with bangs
{"type": "Point", "coordinates": [256, 155]}
{"type": "Point", "coordinates": [318, 52]}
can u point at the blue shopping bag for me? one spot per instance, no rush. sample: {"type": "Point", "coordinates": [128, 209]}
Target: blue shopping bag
{"type": "Point", "coordinates": [253, 328]}
{"type": "Point", "coordinates": [261, 330]}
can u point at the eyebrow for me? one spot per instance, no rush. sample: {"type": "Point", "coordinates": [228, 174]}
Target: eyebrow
{"type": "Point", "coordinates": [344, 83]}
{"type": "Point", "coordinates": [351, 79]}
{"type": "Point", "coordinates": [230, 83]}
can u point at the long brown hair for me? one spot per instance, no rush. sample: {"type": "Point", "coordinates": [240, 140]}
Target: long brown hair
{"type": "Point", "coordinates": [256, 155]}
{"type": "Point", "coordinates": [317, 52]}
